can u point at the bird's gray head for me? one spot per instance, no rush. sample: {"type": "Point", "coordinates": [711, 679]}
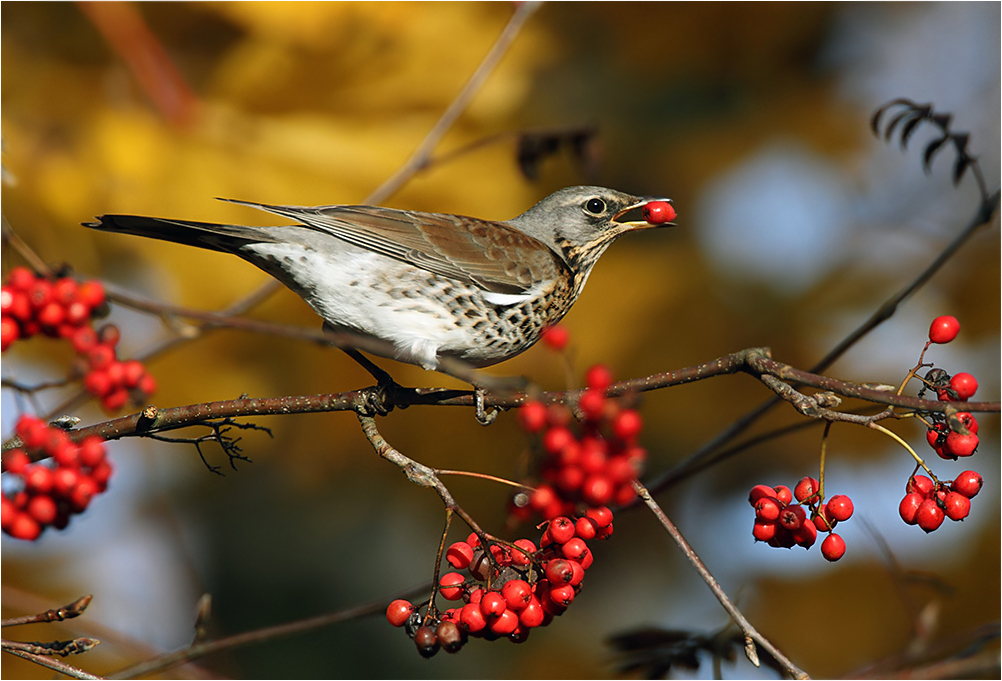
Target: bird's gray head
{"type": "Point", "coordinates": [579, 223]}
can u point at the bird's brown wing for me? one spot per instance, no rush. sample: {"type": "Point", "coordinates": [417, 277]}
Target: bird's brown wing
{"type": "Point", "coordinates": [490, 255]}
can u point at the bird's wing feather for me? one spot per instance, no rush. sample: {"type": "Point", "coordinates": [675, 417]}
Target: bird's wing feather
{"type": "Point", "coordinates": [490, 255]}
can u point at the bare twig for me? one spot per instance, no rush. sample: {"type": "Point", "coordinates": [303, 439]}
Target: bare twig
{"type": "Point", "coordinates": [74, 609]}
{"type": "Point", "coordinates": [55, 665]}
{"type": "Point", "coordinates": [202, 649]}
{"type": "Point", "coordinates": [749, 631]}
{"type": "Point", "coordinates": [421, 155]}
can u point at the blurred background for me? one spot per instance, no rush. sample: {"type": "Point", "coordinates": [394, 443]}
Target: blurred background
{"type": "Point", "coordinates": [795, 223]}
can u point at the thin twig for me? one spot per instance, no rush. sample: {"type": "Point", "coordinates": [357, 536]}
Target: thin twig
{"type": "Point", "coordinates": [740, 620]}
{"type": "Point", "coordinates": [192, 652]}
{"type": "Point", "coordinates": [55, 665]}
{"type": "Point", "coordinates": [459, 104]}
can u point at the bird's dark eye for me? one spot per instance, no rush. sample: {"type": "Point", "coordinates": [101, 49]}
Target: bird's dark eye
{"type": "Point", "coordinates": [595, 206]}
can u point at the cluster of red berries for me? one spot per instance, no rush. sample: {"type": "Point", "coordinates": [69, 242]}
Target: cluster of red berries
{"type": "Point", "coordinates": [594, 465]}
{"type": "Point", "coordinates": [108, 378]}
{"type": "Point", "coordinates": [945, 441]}
{"type": "Point", "coordinates": [43, 495]}
{"type": "Point", "coordinates": [512, 588]}
{"type": "Point", "coordinates": [784, 524]}
{"type": "Point", "coordinates": [927, 503]}
{"type": "Point", "coordinates": [32, 304]}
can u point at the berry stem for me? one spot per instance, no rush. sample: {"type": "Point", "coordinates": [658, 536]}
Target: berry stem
{"type": "Point", "coordinates": [430, 612]}
{"type": "Point", "coordinates": [821, 467]}
{"type": "Point", "coordinates": [485, 476]}
{"type": "Point", "coordinates": [894, 436]}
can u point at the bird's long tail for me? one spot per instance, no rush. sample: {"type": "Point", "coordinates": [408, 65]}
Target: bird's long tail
{"type": "Point", "coordinates": [216, 237]}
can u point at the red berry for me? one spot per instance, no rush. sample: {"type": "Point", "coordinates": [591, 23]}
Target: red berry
{"type": "Point", "coordinates": [598, 377]}
{"type": "Point", "coordinates": [519, 558]}
{"type": "Point", "coordinates": [967, 418]}
{"type": "Point", "coordinates": [82, 494]}
{"type": "Point", "coordinates": [597, 490]}
{"type": "Point", "coordinates": [115, 400]}
{"type": "Point", "coordinates": [767, 509]}
{"type": "Point", "coordinates": [132, 372]}
{"type": "Point", "coordinates": [920, 484]}
{"type": "Point", "coordinates": [459, 555]}
{"type": "Point", "coordinates": [658, 212]}
{"type": "Point", "coordinates": [532, 615]}
{"type": "Point", "coordinates": [532, 416]}
{"type": "Point", "coordinates": [544, 497]}
{"type": "Point", "coordinates": [37, 478]}
{"type": "Point", "coordinates": [15, 461]}
{"type": "Point", "coordinates": [100, 474]}
{"type": "Point", "coordinates": [570, 479]}
{"type": "Point", "coordinates": [64, 480]}
{"type": "Point", "coordinates": [560, 530]}
{"type": "Point", "coordinates": [517, 593]}
{"type": "Point", "coordinates": [505, 623]}
{"type": "Point", "coordinates": [9, 332]}
{"type": "Point", "coordinates": [493, 604]}
{"type": "Point", "coordinates": [556, 337]}
{"type": "Point", "coordinates": [944, 329]}
{"type": "Point", "coordinates": [8, 512]}
{"type": "Point", "coordinates": [957, 506]}
{"type": "Point", "coordinates": [91, 294]}
{"type": "Point", "coordinates": [964, 385]}
{"type": "Point", "coordinates": [471, 618]}
{"type": "Point", "coordinates": [84, 340]}
{"type": "Point", "coordinates": [100, 356]}
{"type": "Point", "coordinates": [77, 314]}
{"type": "Point", "coordinates": [784, 494]}
{"type": "Point", "coordinates": [968, 483]}
{"type": "Point", "coordinates": [823, 519]}
{"type": "Point", "coordinates": [23, 526]}
{"type": "Point", "coordinates": [556, 439]}
{"type": "Point", "coordinates": [806, 488]}
{"type": "Point", "coordinates": [147, 385]}
{"type": "Point", "coordinates": [19, 307]}
{"type": "Point", "coordinates": [562, 595]}
{"type": "Point", "coordinates": [586, 528]}
{"type": "Point", "coordinates": [559, 571]}
{"type": "Point", "coordinates": [451, 586]}
{"type": "Point", "coordinates": [91, 451]}
{"type": "Point", "coordinates": [575, 549]}
{"type": "Point", "coordinates": [21, 278]}
{"type": "Point", "coordinates": [764, 530]}
{"type": "Point", "coordinates": [792, 517]}
{"type": "Point", "coordinates": [806, 535]}
{"type": "Point", "coordinates": [40, 293]}
{"type": "Point", "coordinates": [840, 507]}
{"type": "Point", "coordinates": [627, 425]}
{"type": "Point", "coordinates": [42, 508]}
{"type": "Point", "coordinates": [929, 515]}
{"type": "Point", "coordinates": [601, 515]}
{"type": "Point", "coordinates": [592, 404]}
{"type": "Point", "coordinates": [960, 445]}
{"type": "Point", "coordinates": [759, 491]}
{"type": "Point", "coordinates": [909, 507]}
{"type": "Point", "coordinates": [833, 547]}
{"type": "Point", "coordinates": [51, 315]}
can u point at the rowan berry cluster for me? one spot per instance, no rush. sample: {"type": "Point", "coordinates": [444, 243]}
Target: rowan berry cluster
{"type": "Point", "coordinates": [37, 495]}
{"type": "Point", "coordinates": [927, 503]}
{"type": "Point", "coordinates": [591, 463]}
{"type": "Point", "coordinates": [62, 308]}
{"type": "Point", "coordinates": [511, 588]}
{"type": "Point", "coordinates": [950, 442]}
{"type": "Point", "coordinates": [785, 524]}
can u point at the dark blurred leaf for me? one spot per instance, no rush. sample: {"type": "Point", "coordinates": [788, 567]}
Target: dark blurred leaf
{"type": "Point", "coordinates": [931, 150]}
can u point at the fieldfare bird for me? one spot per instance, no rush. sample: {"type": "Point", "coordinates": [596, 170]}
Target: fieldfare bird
{"type": "Point", "coordinates": [427, 285]}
